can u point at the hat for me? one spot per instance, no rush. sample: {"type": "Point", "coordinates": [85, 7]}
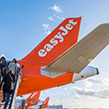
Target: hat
{"type": "Point", "coordinates": [3, 56]}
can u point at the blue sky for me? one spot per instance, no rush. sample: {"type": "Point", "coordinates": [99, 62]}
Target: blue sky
{"type": "Point", "coordinates": [25, 23]}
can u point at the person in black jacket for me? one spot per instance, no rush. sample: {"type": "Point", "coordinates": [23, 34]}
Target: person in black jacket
{"type": "Point", "coordinates": [3, 61]}
{"type": "Point", "coordinates": [8, 79]}
{"type": "Point", "coordinates": [3, 67]}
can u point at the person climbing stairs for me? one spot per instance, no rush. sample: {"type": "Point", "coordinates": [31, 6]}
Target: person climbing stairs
{"type": "Point", "coordinates": [12, 100]}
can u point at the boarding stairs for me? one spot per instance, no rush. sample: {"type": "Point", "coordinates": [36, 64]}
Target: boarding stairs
{"type": "Point", "coordinates": [11, 104]}
{"type": "Point", "coordinates": [1, 98]}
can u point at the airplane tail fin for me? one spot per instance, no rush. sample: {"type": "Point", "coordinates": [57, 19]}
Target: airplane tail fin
{"type": "Point", "coordinates": [57, 42]}
{"type": "Point", "coordinates": [34, 96]}
{"type": "Point", "coordinates": [45, 103]}
{"type": "Point", "coordinates": [33, 99]}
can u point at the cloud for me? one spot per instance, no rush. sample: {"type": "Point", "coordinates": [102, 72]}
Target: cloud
{"type": "Point", "coordinates": [90, 83]}
{"type": "Point", "coordinates": [84, 91]}
{"type": "Point", "coordinates": [88, 88]}
{"type": "Point", "coordinates": [56, 8]}
{"type": "Point", "coordinates": [101, 81]}
{"type": "Point", "coordinates": [91, 92]}
{"type": "Point", "coordinates": [56, 17]}
{"type": "Point", "coordinates": [51, 18]}
{"type": "Point", "coordinates": [66, 88]}
{"type": "Point", "coordinates": [48, 32]}
{"type": "Point", "coordinates": [102, 93]}
{"type": "Point", "coordinates": [87, 84]}
{"type": "Point", "coordinates": [60, 18]}
{"type": "Point", "coordinates": [76, 96]}
{"type": "Point", "coordinates": [46, 28]}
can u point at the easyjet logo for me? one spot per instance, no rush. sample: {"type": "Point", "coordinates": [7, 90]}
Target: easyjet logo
{"type": "Point", "coordinates": [58, 38]}
{"type": "Point", "coordinates": [33, 95]}
{"type": "Point", "coordinates": [46, 100]}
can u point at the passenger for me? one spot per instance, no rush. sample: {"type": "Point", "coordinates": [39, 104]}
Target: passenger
{"type": "Point", "coordinates": [7, 80]}
{"type": "Point", "coordinates": [2, 63]}
{"type": "Point", "coordinates": [13, 66]}
{"type": "Point", "coordinates": [3, 67]}
{"type": "Point", "coordinates": [0, 69]}
{"type": "Point", "coordinates": [18, 66]}
{"type": "Point", "coordinates": [40, 106]}
{"type": "Point", "coordinates": [23, 104]}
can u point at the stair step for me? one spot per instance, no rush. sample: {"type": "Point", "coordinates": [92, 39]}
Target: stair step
{"type": "Point", "coordinates": [1, 103]}
{"type": "Point", "coordinates": [2, 106]}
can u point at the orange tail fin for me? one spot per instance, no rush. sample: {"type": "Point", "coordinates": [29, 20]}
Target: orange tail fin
{"type": "Point", "coordinates": [33, 99]}
{"type": "Point", "coordinates": [45, 103]}
{"type": "Point", "coordinates": [34, 96]}
{"type": "Point", "coordinates": [61, 39]}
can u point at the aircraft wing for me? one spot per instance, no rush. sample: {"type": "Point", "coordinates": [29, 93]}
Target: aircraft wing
{"type": "Point", "coordinates": [82, 53]}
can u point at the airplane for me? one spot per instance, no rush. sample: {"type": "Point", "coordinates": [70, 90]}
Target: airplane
{"type": "Point", "coordinates": [45, 102]}
{"type": "Point", "coordinates": [59, 59]}
{"type": "Point", "coordinates": [33, 100]}
{"type": "Point", "coordinates": [42, 105]}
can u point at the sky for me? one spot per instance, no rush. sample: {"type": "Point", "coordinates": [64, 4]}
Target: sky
{"type": "Point", "coordinates": [25, 23]}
